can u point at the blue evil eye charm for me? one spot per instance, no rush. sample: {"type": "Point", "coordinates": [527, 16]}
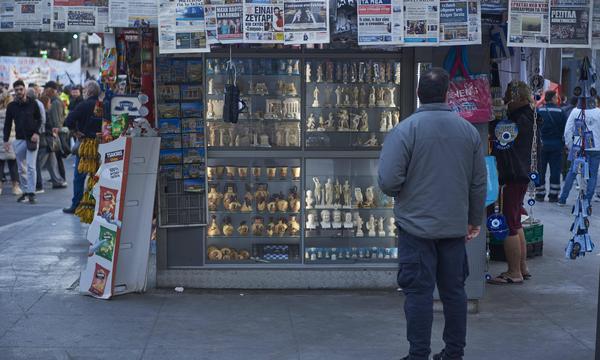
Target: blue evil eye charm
{"type": "Point", "coordinates": [498, 226]}
{"type": "Point", "coordinates": [535, 178]}
{"type": "Point", "coordinates": [531, 202]}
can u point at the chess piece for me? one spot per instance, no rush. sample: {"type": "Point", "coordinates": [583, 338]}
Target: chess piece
{"type": "Point", "coordinates": [381, 227]}
{"type": "Point", "coordinates": [338, 96]}
{"type": "Point", "coordinates": [337, 219]}
{"type": "Point", "coordinates": [371, 226]}
{"type": "Point", "coordinates": [317, 190]}
{"type": "Point", "coordinates": [320, 73]}
{"type": "Point", "coordinates": [358, 222]}
{"type": "Point", "coordinates": [346, 191]}
{"type": "Point", "coordinates": [358, 196]}
{"type": "Point", "coordinates": [325, 219]}
{"type": "Point", "coordinates": [310, 200]}
{"type": "Point", "coordinates": [311, 224]}
{"type": "Point", "coordinates": [329, 193]}
{"type": "Point", "coordinates": [392, 229]}
{"type": "Point", "coordinates": [348, 224]}
{"type": "Point", "coordinates": [210, 86]}
{"type": "Point", "coordinates": [392, 95]}
{"type": "Point", "coordinates": [308, 72]}
{"type": "Point", "coordinates": [364, 121]}
{"type": "Point", "coordinates": [310, 122]}
{"type": "Point", "coordinates": [315, 97]}
{"type": "Point", "coordinates": [372, 97]}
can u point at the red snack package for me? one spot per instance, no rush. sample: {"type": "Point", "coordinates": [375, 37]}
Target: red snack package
{"type": "Point", "coordinates": [108, 203]}
{"type": "Point", "coordinates": [99, 280]}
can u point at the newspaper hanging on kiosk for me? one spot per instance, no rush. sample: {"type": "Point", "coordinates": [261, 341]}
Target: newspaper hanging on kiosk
{"type": "Point", "coordinates": [460, 22]}
{"type": "Point", "coordinates": [80, 16]}
{"type": "Point", "coordinates": [306, 22]}
{"type": "Point", "coordinates": [380, 22]}
{"type": "Point", "coordinates": [132, 13]}
{"type": "Point", "coordinates": [570, 23]}
{"type": "Point", "coordinates": [181, 27]}
{"type": "Point", "coordinates": [263, 21]}
{"type": "Point", "coordinates": [421, 22]}
{"type": "Point", "coordinates": [25, 15]}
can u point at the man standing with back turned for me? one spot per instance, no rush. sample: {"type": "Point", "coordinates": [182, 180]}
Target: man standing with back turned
{"type": "Point", "coordinates": [432, 164]}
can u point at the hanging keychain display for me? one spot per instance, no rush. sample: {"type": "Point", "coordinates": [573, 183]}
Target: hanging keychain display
{"type": "Point", "coordinates": [534, 176]}
{"type": "Point", "coordinates": [233, 104]}
{"type": "Point", "coordinates": [581, 242]}
{"type": "Point", "coordinates": [496, 223]}
{"type": "Point", "coordinates": [506, 133]}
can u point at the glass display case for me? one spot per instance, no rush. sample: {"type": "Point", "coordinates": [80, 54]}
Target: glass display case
{"type": "Point", "coordinates": [350, 104]}
{"type": "Point", "coordinates": [182, 179]}
{"type": "Point", "coordinates": [271, 90]}
{"type": "Point", "coordinates": [348, 219]}
{"type": "Point", "coordinates": [254, 208]}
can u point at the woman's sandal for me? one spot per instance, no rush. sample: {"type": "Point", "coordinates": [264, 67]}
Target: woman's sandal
{"type": "Point", "coordinates": [504, 280]}
{"type": "Point", "coordinates": [525, 276]}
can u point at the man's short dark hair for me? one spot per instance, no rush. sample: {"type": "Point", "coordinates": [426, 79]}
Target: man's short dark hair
{"type": "Point", "coordinates": [549, 95]}
{"type": "Point", "coordinates": [433, 86]}
{"type": "Point", "coordinates": [18, 83]}
{"type": "Point", "coordinates": [574, 100]}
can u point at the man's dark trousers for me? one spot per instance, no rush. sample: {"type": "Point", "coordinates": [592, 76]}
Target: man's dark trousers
{"type": "Point", "coordinates": [423, 264]}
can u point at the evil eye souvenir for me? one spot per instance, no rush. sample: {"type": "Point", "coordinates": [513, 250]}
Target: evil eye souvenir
{"type": "Point", "coordinates": [506, 133]}
{"type": "Point", "coordinates": [535, 178]}
{"type": "Point", "coordinates": [531, 202]}
{"type": "Point", "coordinates": [498, 226]}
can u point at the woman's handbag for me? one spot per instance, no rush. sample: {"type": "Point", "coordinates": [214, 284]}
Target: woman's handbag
{"type": "Point", "coordinates": [31, 146]}
{"type": "Point", "coordinates": [52, 142]}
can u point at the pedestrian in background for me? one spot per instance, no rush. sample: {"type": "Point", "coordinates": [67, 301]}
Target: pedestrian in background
{"type": "Point", "coordinates": [75, 97]}
{"type": "Point", "coordinates": [514, 165]}
{"type": "Point", "coordinates": [431, 242]}
{"type": "Point", "coordinates": [82, 123]}
{"type": "Point", "coordinates": [552, 130]}
{"type": "Point", "coordinates": [8, 157]}
{"type": "Point", "coordinates": [25, 115]}
{"type": "Point", "coordinates": [56, 116]}
{"type": "Point", "coordinates": [46, 158]}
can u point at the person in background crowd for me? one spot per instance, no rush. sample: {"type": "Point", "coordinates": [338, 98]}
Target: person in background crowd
{"type": "Point", "coordinates": [514, 165]}
{"type": "Point", "coordinates": [46, 158]}
{"type": "Point", "coordinates": [65, 98]}
{"type": "Point", "coordinates": [592, 121]}
{"type": "Point", "coordinates": [431, 243]}
{"type": "Point", "coordinates": [37, 90]}
{"type": "Point", "coordinates": [75, 97]}
{"type": "Point", "coordinates": [25, 114]}
{"type": "Point", "coordinates": [569, 106]}
{"type": "Point", "coordinates": [8, 157]}
{"type": "Point", "coordinates": [56, 116]}
{"type": "Point", "coordinates": [552, 130]}
{"type": "Point", "coordinates": [81, 122]}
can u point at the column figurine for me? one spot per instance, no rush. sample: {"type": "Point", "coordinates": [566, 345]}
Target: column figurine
{"type": "Point", "coordinates": [320, 73]}
{"type": "Point", "coordinates": [316, 97]}
{"type": "Point", "coordinates": [392, 100]}
{"type": "Point", "coordinates": [308, 72]}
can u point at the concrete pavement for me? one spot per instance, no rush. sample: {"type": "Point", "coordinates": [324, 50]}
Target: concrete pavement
{"type": "Point", "coordinates": [552, 316]}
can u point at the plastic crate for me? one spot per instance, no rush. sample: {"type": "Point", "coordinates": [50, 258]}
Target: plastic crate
{"type": "Point", "coordinates": [534, 236]}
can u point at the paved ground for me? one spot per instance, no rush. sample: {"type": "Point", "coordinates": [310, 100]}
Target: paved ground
{"type": "Point", "coordinates": [552, 316]}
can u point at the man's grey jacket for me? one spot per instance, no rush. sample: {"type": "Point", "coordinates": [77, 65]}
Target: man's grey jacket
{"type": "Point", "coordinates": [432, 163]}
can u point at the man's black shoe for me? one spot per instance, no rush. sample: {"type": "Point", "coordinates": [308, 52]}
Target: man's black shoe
{"type": "Point", "coordinates": [442, 356]}
{"type": "Point", "coordinates": [24, 197]}
{"type": "Point", "coordinates": [32, 199]}
{"type": "Point", "coordinates": [59, 186]}
{"type": "Point", "coordinates": [69, 211]}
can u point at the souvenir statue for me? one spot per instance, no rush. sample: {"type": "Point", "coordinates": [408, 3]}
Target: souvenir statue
{"type": "Point", "coordinates": [345, 73]}
{"type": "Point", "coordinates": [309, 199]}
{"type": "Point", "coordinates": [271, 172]}
{"type": "Point", "coordinates": [339, 72]}
{"type": "Point", "coordinates": [330, 123]}
{"type": "Point", "coordinates": [281, 227]}
{"type": "Point", "coordinates": [256, 171]}
{"type": "Point", "coordinates": [290, 67]}
{"type": "Point", "coordinates": [230, 171]}
{"type": "Point", "coordinates": [392, 96]}
{"type": "Point", "coordinates": [364, 121]}
{"type": "Point", "coordinates": [376, 73]}
{"type": "Point", "coordinates": [348, 224]}
{"type": "Point", "coordinates": [358, 196]}
{"type": "Point", "coordinates": [243, 229]}
{"type": "Point", "coordinates": [222, 137]}
{"type": "Point", "coordinates": [355, 96]}
{"type": "Point", "coordinates": [353, 72]}
{"type": "Point", "coordinates": [258, 226]}
{"type": "Point", "coordinates": [317, 191]}
{"type": "Point", "coordinates": [280, 87]}
{"type": "Point", "coordinates": [308, 72]}
{"type": "Point", "coordinates": [261, 195]}
{"type": "Point", "coordinates": [311, 224]}
{"type": "Point", "coordinates": [282, 67]}
{"type": "Point", "coordinates": [210, 112]}
{"type": "Point", "coordinates": [371, 226]}
{"type": "Point", "coordinates": [246, 206]}
{"type": "Point", "coordinates": [270, 227]}
{"type": "Point", "coordinates": [315, 102]}
{"type": "Point", "coordinates": [291, 89]}
{"type": "Point", "coordinates": [325, 219]}
{"type": "Point", "coordinates": [381, 227]}
{"type": "Point", "coordinates": [380, 95]}
{"type": "Point", "coordinates": [261, 89]}
{"type": "Point", "coordinates": [337, 219]}
{"type": "Point", "coordinates": [369, 197]}
{"type": "Point", "coordinates": [231, 137]}
{"type": "Point", "coordinates": [337, 194]}
{"type": "Point", "coordinates": [296, 172]}
{"type": "Point", "coordinates": [327, 96]}
{"type": "Point", "coordinates": [355, 122]}
{"type": "Point", "coordinates": [227, 227]}
{"type": "Point", "coordinates": [272, 204]}
{"type": "Point", "coordinates": [320, 73]}
{"type": "Point", "coordinates": [329, 68]}
{"type": "Point", "coordinates": [296, 67]}
{"type": "Point", "coordinates": [209, 68]}
{"type": "Point", "coordinates": [347, 100]}
{"type": "Point", "coordinates": [214, 198]}
{"type": "Point", "coordinates": [383, 122]}
{"type": "Point", "coordinates": [346, 190]}
{"type": "Point", "coordinates": [322, 124]}
{"type": "Point", "coordinates": [358, 222]}
{"type": "Point", "coordinates": [372, 97]}
{"type": "Point", "coordinates": [212, 136]}
{"type": "Point", "coordinates": [210, 87]}
{"type": "Point", "coordinates": [392, 227]}
{"type": "Point", "coordinates": [338, 96]}
{"type": "Point", "coordinates": [213, 228]}
{"type": "Point", "coordinates": [294, 200]}
{"type": "Point", "coordinates": [390, 121]}
{"type": "Point", "coordinates": [234, 206]}
{"type": "Point", "coordinates": [362, 71]}
{"type": "Point", "coordinates": [282, 205]}
{"type": "Point", "coordinates": [397, 73]}
{"type": "Point", "coordinates": [294, 226]}
{"type": "Point", "coordinates": [211, 173]}
{"type": "Point", "coordinates": [229, 196]}
{"type": "Point", "coordinates": [242, 172]}
{"type": "Point", "coordinates": [329, 193]}
{"type": "Point", "coordinates": [395, 118]}
{"type": "Point", "coordinates": [220, 170]}
{"type": "Point", "coordinates": [372, 142]}
{"type": "Point", "coordinates": [283, 172]}
{"type": "Point", "coordinates": [383, 73]}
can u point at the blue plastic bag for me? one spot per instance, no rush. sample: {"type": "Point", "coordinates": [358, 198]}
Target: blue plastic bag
{"type": "Point", "coordinates": [492, 180]}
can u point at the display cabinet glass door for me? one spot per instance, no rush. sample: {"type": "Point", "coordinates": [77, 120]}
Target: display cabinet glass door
{"type": "Point", "coordinates": [350, 104]}
{"type": "Point", "coordinates": [348, 219]}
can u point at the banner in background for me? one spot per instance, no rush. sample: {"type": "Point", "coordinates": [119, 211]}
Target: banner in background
{"type": "Point", "coordinates": [80, 16]}
{"type": "Point", "coordinates": [39, 71]}
{"type": "Point", "coordinates": [263, 21]}
{"type": "Point", "coordinates": [182, 27]}
{"type": "Point", "coordinates": [570, 23]}
{"type": "Point", "coordinates": [97, 279]}
{"type": "Point", "coordinates": [230, 24]}
{"type": "Point", "coordinates": [596, 24]}
{"type": "Point", "coordinates": [421, 22]}
{"type": "Point", "coordinates": [306, 22]}
{"type": "Point", "coordinates": [528, 23]}
{"type": "Point", "coordinates": [380, 22]}
{"type": "Point", "coordinates": [133, 13]}
{"type": "Point", "coordinates": [460, 22]}
{"type": "Point", "coordinates": [25, 15]}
